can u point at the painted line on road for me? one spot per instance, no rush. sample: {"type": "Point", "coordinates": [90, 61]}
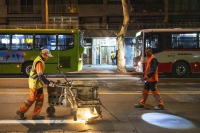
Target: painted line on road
{"type": "Point", "coordinates": [140, 92]}
{"type": "Point", "coordinates": [40, 121]}
{"type": "Point", "coordinates": [19, 93]}
{"type": "Point", "coordinates": [113, 92]}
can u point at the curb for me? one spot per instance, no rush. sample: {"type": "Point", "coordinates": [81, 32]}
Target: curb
{"type": "Point", "coordinates": [128, 73]}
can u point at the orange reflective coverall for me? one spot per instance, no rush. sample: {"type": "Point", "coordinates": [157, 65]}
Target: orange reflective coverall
{"type": "Point", "coordinates": [151, 71]}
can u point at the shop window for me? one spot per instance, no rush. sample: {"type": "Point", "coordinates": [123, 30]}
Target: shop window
{"type": "Point", "coordinates": [114, 19]}
{"type": "Point", "coordinates": [90, 19]}
{"type": "Point", "coordinates": [45, 42]}
{"type": "Point", "coordinates": [90, 1]}
{"type": "Point", "coordinates": [27, 6]}
{"type": "Point", "coordinates": [114, 2]}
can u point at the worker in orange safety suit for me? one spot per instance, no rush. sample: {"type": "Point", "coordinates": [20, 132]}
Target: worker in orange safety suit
{"type": "Point", "coordinates": [151, 78]}
{"type": "Point", "coordinates": [36, 80]}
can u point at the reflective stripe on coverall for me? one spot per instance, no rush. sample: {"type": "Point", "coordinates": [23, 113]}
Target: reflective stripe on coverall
{"type": "Point", "coordinates": [151, 84]}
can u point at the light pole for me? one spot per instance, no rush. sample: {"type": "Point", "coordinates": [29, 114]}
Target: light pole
{"type": "Point", "coordinates": [47, 14]}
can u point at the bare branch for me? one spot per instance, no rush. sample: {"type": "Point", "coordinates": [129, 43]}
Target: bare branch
{"type": "Point", "coordinates": [116, 33]}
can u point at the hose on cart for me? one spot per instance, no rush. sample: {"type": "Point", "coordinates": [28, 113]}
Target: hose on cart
{"type": "Point", "coordinates": [63, 75]}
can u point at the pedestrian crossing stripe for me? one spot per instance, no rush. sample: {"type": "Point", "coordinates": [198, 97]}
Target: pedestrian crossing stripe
{"type": "Point", "coordinates": [40, 121]}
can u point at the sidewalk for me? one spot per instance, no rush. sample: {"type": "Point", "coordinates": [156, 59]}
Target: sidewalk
{"type": "Point", "coordinates": [104, 69]}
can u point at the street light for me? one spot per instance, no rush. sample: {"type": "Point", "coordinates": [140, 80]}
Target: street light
{"type": "Point", "coordinates": [47, 14]}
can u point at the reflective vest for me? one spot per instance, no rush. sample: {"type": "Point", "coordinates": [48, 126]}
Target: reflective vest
{"type": "Point", "coordinates": [112, 55]}
{"type": "Point", "coordinates": [34, 82]}
{"type": "Point", "coordinates": [148, 69]}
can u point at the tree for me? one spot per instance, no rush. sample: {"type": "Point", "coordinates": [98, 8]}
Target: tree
{"type": "Point", "coordinates": [121, 64]}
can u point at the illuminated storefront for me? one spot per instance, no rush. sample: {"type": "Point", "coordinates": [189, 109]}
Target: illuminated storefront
{"type": "Point", "coordinates": [98, 50]}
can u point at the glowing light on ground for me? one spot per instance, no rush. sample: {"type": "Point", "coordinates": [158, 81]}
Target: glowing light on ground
{"type": "Point", "coordinates": [167, 121]}
{"type": "Point", "coordinates": [87, 113]}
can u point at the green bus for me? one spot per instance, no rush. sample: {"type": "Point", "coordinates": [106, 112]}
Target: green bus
{"type": "Point", "coordinates": [19, 47]}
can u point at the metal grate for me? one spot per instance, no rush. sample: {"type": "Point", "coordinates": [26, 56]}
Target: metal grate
{"type": "Point", "coordinates": [65, 62]}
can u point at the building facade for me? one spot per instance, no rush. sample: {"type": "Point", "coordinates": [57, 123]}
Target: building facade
{"type": "Point", "coordinates": [101, 19]}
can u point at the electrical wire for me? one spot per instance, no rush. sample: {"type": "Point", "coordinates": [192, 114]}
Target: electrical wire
{"type": "Point", "coordinates": [109, 112]}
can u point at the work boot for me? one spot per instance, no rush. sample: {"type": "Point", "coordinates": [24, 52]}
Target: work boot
{"type": "Point", "coordinates": [159, 107]}
{"type": "Point", "coordinates": [21, 115]}
{"type": "Point", "coordinates": [38, 117]}
{"type": "Point", "coordinates": [139, 106]}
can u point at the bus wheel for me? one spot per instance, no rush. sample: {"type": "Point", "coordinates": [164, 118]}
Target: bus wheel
{"type": "Point", "coordinates": [180, 69]}
{"type": "Point", "coordinates": [26, 68]}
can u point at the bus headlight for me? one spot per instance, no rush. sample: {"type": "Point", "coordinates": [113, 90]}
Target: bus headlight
{"type": "Point", "coordinates": [80, 59]}
{"type": "Point", "coordinates": [139, 63]}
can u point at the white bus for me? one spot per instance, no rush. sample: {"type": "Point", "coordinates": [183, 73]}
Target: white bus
{"type": "Point", "coordinates": [177, 50]}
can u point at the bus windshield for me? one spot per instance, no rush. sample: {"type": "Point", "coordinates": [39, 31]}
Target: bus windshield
{"type": "Point", "coordinates": [81, 39]}
{"type": "Point", "coordinates": [138, 49]}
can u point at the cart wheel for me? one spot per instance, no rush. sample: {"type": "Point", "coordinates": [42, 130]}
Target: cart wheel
{"type": "Point", "coordinates": [75, 115]}
{"type": "Point", "coordinates": [50, 110]}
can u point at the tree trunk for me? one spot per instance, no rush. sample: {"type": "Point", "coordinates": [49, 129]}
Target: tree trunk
{"type": "Point", "coordinates": [121, 64]}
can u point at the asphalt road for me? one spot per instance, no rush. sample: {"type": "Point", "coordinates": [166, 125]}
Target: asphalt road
{"type": "Point", "coordinates": [83, 75]}
{"type": "Point", "coordinates": [118, 94]}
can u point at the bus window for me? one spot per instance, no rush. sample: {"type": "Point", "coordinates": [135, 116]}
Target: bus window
{"type": "Point", "coordinates": [138, 47]}
{"type": "Point", "coordinates": [45, 41]}
{"type": "Point", "coordinates": [184, 41]}
{"type": "Point", "coordinates": [156, 42]}
{"type": "Point", "coordinates": [22, 42]}
{"type": "Point", "coordinates": [65, 42]}
{"type": "Point", "coordinates": [4, 42]}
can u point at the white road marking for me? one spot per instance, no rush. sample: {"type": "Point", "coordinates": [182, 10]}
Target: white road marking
{"type": "Point", "coordinates": [140, 92]}
{"type": "Point", "coordinates": [114, 92]}
{"type": "Point", "coordinates": [40, 121]}
{"type": "Point", "coordinates": [85, 78]}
